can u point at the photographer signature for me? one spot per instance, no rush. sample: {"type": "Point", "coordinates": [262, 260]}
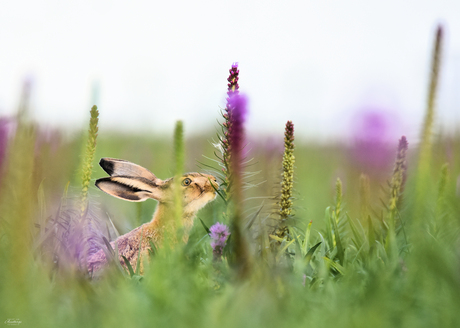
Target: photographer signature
{"type": "Point", "coordinates": [13, 322]}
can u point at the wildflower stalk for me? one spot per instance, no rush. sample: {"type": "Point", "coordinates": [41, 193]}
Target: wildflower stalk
{"type": "Point", "coordinates": [88, 158]}
{"type": "Point", "coordinates": [364, 193]}
{"type": "Point", "coordinates": [17, 205]}
{"type": "Point", "coordinates": [4, 141]}
{"type": "Point", "coordinates": [426, 142]}
{"type": "Point", "coordinates": [425, 148]}
{"type": "Point", "coordinates": [237, 106]}
{"type": "Point", "coordinates": [436, 224]}
{"type": "Point", "coordinates": [287, 184]}
{"type": "Point", "coordinates": [226, 146]}
{"type": "Point", "coordinates": [338, 199]}
{"type": "Point", "coordinates": [442, 184]}
{"type": "Point", "coordinates": [179, 159]}
{"type": "Point", "coordinates": [231, 147]}
{"type": "Point", "coordinates": [399, 175]}
{"type": "Point", "coordinates": [219, 234]}
{"type": "Point", "coordinates": [24, 103]}
{"type": "Point", "coordinates": [396, 188]}
{"type": "Point", "coordinates": [337, 239]}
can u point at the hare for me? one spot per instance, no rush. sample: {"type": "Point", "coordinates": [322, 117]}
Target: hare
{"type": "Point", "coordinates": [134, 183]}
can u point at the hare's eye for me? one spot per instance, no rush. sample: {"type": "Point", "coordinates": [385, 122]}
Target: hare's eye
{"type": "Point", "coordinates": [186, 182]}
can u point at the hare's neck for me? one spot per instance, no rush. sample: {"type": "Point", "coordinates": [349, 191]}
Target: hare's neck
{"type": "Point", "coordinates": [162, 215]}
{"type": "Point", "coordinates": [164, 218]}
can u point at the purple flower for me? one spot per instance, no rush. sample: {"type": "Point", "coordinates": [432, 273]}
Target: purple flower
{"type": "Point", "coordinates": [219, 234]}
{"type": "Point", "coordinates": [224, 145]}
{"type": "Point", "coordinates": [233, 80]}
{"type": "Point", "coordinates": [238, 110]}
{"type": "Point", "coordinates": [373, 133]}
{"type": "Point", "coordinates": [7, 131]}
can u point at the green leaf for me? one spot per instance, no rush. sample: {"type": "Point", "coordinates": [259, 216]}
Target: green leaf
{"type": "Point", "coordinates": [307, 237]}
{"type": "Point", "coordinates": [282, 250]}
{"type": "Point", "coordinates": [112, 255]}
{"type": "Point", "coordinates": [338, 240]}
{"type": "Point", "coordinates": [310, 253]}
{"type": "Point", "coordinates": [297, 243]}
{"type": "Point", "coordinates": [329, 235]}
{"type": "Point", "coordinates": [138, 264]}
{"type": "Point", "coordinates": [205, 227]}
{"type": "Point", "coordinates": [128, 265]}
{"type": "Point", "coordinates": [336, 266]}
{"type": "Point", "coordinates": [358, 239]}
{"type": "Point", "coordinates": [153, 249]}
{"type": "Point", "coordinates": [109, 247]}
{"type": "Point", "coordinates": [251, 220]}
{"type": "Point", "coordinates": [276, 238]}
{"type": "Point", "coordinates": [370, 233]}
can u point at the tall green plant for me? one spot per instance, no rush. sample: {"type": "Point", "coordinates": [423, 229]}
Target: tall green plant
{"type": "Point", "coordinates": [287, 186]}
{"type": "Point", "coordinates": [179, 160]}
{"type": "Point", "coordinates": [427, 130]}
{"type": "Point", "coordinates": [18, 201]}
{"type": "Point", "coordinates": [88, 158]}
{"type": "Point", "coordinates": [425, 148]}
{"type": "Point", "coordinates": [241, 258]}
{"type": "Point", "coordinates": [396, 189]}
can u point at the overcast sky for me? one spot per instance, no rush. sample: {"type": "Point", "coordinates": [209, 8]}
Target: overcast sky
{"type": "Point", "coordinates": [147, 64]}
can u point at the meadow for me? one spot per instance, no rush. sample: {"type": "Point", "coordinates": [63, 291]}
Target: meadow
{"type": "Point", "coordinates": [320, 235]}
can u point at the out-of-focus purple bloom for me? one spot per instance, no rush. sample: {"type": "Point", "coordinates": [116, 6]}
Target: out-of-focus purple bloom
{"type": "Point", "coordinates": [70, 237]}
{"type": "Point", "coordinates": [47, 137]}
{"type": "Point", "coordinates": [7, 129]}
{"type": "Point", "coordinates": [273, 146]}
{"type": "Point", "coordinates": [373, 131]}
{"type": "Point", "coordinates": [219, 234]}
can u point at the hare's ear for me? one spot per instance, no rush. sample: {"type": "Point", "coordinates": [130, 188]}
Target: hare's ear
{"type": "Point", "coordinates": [119, 167]}
{"type": "Point", "coordinates": [134, 189]}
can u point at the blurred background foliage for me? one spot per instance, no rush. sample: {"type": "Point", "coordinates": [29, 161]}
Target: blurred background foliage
{"type": "Point", "coordinates": [180, 292]}
{"type": "Point", "coordinates": [351, 258]}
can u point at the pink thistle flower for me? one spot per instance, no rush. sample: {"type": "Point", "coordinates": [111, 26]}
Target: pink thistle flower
{"type": "Point", "coordinates": [219, 234]}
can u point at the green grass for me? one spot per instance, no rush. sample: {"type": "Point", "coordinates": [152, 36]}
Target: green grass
{"type": "Point", "coordinates": [364, 249]}
{"type": "Point", "coordinates": [354, 285]}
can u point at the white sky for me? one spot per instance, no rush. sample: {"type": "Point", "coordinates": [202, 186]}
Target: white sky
{"type": "Point", "coordinates": [314, 62]}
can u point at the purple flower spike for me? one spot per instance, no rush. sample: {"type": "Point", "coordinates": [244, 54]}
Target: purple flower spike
{"type": "Point", "coordinates": [238, 108]}
{"type": "Point", "coordinates": [219, 234]}
{"type": "Point", "coordinates": [233, 81]}
{"type": "Point", "coordinates": [238, 112]}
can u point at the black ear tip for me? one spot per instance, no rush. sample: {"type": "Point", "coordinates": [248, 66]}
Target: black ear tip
{"type": "Point", "coordinates": [106, 165]}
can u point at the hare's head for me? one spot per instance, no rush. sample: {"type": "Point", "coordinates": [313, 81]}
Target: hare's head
{"type": "Point", "coordinates": [134, 183]}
